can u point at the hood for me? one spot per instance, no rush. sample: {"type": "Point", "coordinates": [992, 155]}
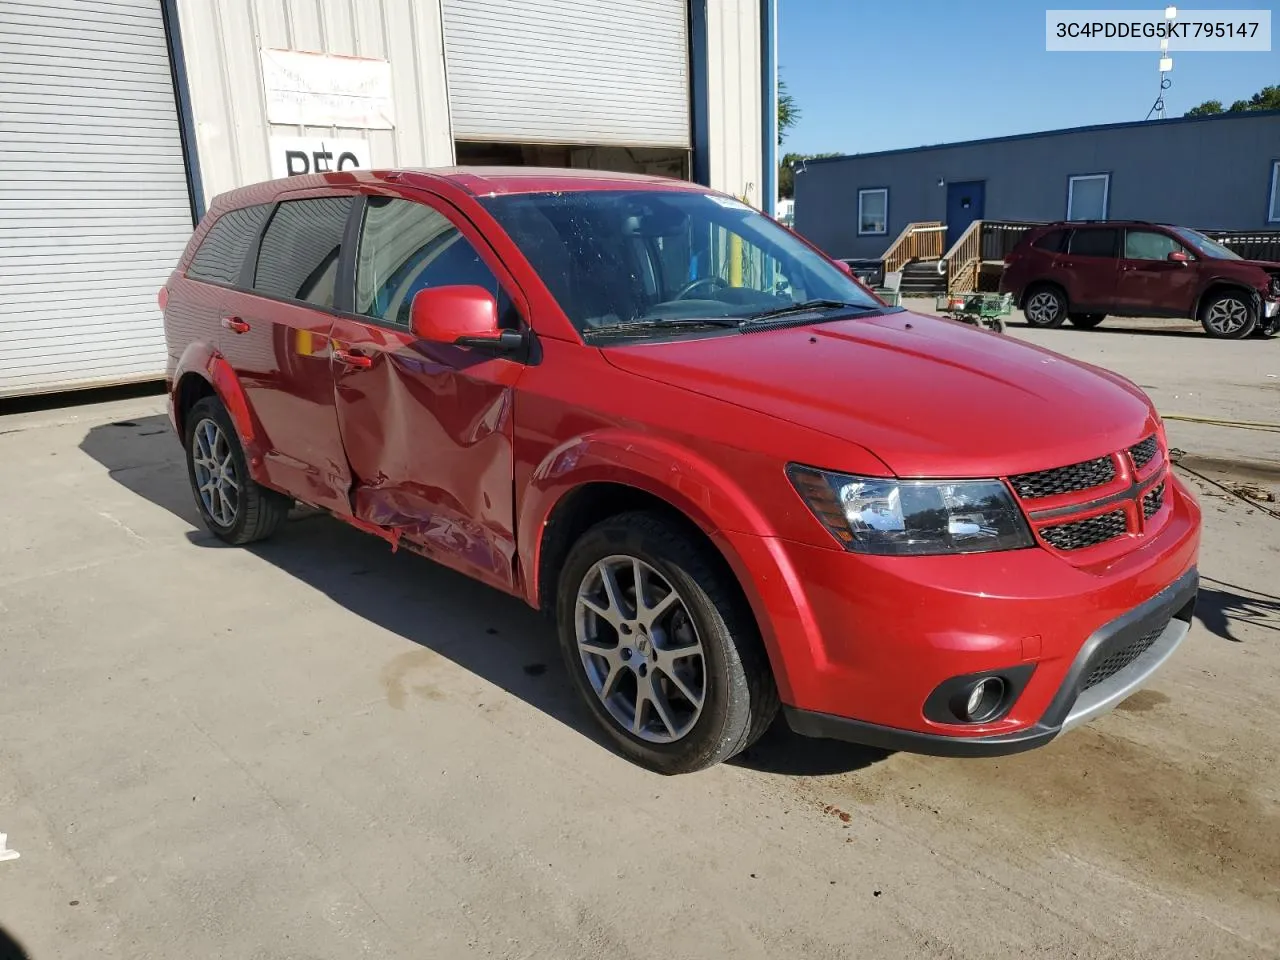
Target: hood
{"type": "Point", "coordinates": [929, 397]}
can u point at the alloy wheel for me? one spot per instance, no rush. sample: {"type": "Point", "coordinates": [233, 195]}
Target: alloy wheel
{"type": "Point", "coordinates": [1042, 309]}
{"type": "Point", "coordinates": [640, 649]}
{"type": "Point", "coordinates": [215, 469]}
{"type": "Point", "coordinates": [1227, 316]}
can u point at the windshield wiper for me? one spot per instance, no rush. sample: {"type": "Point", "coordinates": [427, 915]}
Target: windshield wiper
{"type": "Point", "coordinates": [658, 323]}
{"type": "Point", "coordinates": [808, 306]}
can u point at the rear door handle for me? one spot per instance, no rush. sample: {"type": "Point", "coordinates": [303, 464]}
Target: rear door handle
{"type": "Point", "coordinates": [353, 359]}
{"type": "Point", "coordinates": [235, 324]}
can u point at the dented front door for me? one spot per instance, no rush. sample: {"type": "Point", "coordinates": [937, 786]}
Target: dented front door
{"type": "Point", "coordinates": [427, 427]}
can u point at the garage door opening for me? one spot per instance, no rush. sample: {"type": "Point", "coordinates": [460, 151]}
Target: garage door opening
{"type": "Point", "coordinates": [657, 161]}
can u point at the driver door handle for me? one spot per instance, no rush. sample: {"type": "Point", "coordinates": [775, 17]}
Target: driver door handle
{"type": "Point", "coordinates": [235, 324]}
{"type": "Point", "coordinates": [353, 359]}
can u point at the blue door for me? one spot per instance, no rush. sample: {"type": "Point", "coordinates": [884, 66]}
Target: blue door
{"type": "Point", "coordinates": [964, 205]}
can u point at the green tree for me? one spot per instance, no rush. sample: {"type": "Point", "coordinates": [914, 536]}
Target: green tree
{"type": "Point", "coordinates": [788, 111]}
{"type": "Point", "coordinates": [787, 173]}
{"type": "Point", "coordinates": [1206, 109]}
{"type": "Point", "coordinates": [1268, 98]}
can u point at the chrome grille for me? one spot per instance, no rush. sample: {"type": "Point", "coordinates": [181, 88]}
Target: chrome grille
{"type": "Point", "coordinates": [1153, 500]}
{"type": "Point", "coordinates": [1144, 452]}
{"type": "Point", "coordinates": [1077, 476]}
{"type": "Point", "coordinates": [1085, 533]}
{"type": "Point", "coordinates": [1107, 664]}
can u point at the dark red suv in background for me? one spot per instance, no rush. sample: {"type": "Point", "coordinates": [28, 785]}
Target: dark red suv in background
{"type": "Point", "coordinates": [1085, 271]}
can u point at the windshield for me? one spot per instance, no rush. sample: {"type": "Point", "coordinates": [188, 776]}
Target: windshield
{"type": "Point", "coordinates": [1203, 245]}
{"type": "Point", "coordinates": [620, 257]}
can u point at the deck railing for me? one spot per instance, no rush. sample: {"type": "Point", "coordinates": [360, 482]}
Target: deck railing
{"type": "Point", "coordinates": [917, 241]}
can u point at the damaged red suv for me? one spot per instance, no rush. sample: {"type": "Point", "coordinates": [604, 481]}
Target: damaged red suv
{"type": "Point", "coordinates": [1084, 271]}
{"type": "Point", "coordinates": [733, 477]}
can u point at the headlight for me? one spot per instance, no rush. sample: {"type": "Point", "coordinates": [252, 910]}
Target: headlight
{"type": "Point", "coordinates": [913, 517]}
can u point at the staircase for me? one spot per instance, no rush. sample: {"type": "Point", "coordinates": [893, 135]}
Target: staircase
{"type": "Point", "coordinates": [920, 278]}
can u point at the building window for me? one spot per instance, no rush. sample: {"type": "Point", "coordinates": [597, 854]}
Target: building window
{"type": "Point", "coordinates": [1273, 209]}
{"type": "Point", "coordinates": [1087, 196]}
{"type": "Point", "coordinates": [873, 212]}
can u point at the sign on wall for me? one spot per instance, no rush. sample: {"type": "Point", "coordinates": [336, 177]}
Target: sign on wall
{"type": "Point", "coordinates": [324, 90]}
{"type": "Point", "coordinates": [292, 156]}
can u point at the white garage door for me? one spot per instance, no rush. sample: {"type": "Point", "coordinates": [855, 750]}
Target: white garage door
{"type": "Point", "coordinates": [569, 71]}
{"type": "Point", "coordinates": [94, 208]}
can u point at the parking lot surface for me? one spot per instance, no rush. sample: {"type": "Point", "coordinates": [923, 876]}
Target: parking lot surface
{"type": "Point", "coordinates": [316, 748]}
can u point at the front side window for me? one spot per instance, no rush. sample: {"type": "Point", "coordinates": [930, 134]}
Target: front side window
{"type": "Point", "coordinates": [1099, 242]}
{"type": "Point", "coordinates": [613, 257]}
{"type": "Point", "coordinates": [1150, 245]}
{"type": "Point", "coordinates": [873, 212]}
{"type": "Point", "coordinates": [406, 247]}
{"type": "Point", "coordinates": [300, 250]}
{"type": "Point", "coordinates": [221, 255]}
{"type": "Point", "coordinates": [1087, 196]}
{"type": "Point", "coordinates": [1198, 242]}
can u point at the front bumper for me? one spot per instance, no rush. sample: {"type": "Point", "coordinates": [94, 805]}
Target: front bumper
{"type": "Point", "coordinates": [1272, 308]}
{"type": "Point", "coordinates": [859, 643]}
{"type": "Point", "coordinates": [1167, 616]}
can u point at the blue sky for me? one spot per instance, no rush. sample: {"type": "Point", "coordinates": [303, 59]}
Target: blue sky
{"type": "Point", "coordinates": [881, 74]}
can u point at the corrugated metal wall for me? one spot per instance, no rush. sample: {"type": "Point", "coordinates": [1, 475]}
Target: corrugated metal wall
{"type": "Point", "coordinates": [734, 95]}
{"type": "Point", "coordinates": [94, 208]}
{"type": "Point", "coordinates": [569, 71]}
{"type": "Point", "coordinates": [222, 39]}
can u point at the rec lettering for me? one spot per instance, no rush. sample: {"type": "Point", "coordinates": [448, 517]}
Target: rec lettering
{"type": "Point", "coordinates": [299, 161]}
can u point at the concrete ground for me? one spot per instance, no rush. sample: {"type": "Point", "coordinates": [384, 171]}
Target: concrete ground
{"type": "Point", "coordinates": [314, 748]}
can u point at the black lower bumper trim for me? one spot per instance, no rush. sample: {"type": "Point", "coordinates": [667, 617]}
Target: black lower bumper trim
{"type": "Point", "coordinates": [826, 725]}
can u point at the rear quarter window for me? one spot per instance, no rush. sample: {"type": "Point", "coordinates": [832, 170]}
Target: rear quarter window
{"type": "Point", "coordinates": [299, 255]}
{"type": "Point", "coordinates": [1055, 241]}
{"type": "Point", "coordinates": [1097, 242]}
{"type": "Point", "coordinates": [220, 257]}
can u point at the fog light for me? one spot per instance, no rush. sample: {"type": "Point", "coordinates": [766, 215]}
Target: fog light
{"type": "Point", "coordinates": [984, 699]}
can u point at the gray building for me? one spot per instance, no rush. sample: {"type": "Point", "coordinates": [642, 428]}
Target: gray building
{"type": "Point", "coordinates": [1220, 172]}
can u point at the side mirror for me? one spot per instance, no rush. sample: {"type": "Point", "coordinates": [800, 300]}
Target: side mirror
{"type": "Point", "coordinates": [463, 315]}
{"type": "Point", "coordinates": [1177, 256]}
{"type": "Point", "coordinates": [845, 267]}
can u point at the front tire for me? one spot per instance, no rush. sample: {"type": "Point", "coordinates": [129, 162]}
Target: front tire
{"type": "Point", "coordinates": [1045, 307]}
{"type": "Point", "coordinates": [232, 505]}
{"type": "Point", "coordinates": [661, 645]}
{"type": "Point", "coordinates": [1228, 316]}
{"type": "Point", "coordinates": [1086, 321]}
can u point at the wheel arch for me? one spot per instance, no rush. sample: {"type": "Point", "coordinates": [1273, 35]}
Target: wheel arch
{"type": "Point", "coordinates": [203, 372]}
{"type": "Point", "coordinates": [1224, 285]}
{"type": "Point", "coordinates": [616, 474]}
{"type": "Point", "coordinates": [1040, 284]}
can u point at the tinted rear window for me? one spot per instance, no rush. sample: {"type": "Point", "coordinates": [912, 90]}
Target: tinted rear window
{"type": "Point", "coordinates": [222, 252]}
{"type": "Point", "coordinates": [1095, 242]}
{"type": "Point", "coordinates": [299, 255]}
{"type": "Point", "coordinates": [1054, 241]}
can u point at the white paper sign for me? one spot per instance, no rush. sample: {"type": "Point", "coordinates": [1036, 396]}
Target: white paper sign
{"type": "Point", "coordinates": [323, 90]}
{"type": "Point", "coordinates": [292, 156]}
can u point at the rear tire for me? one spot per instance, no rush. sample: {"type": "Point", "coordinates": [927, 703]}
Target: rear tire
{"type": "Point", "coordinates": [231, 504]}
{"type": "Point", "coordinates": [679, 681]}
{"type": "Point", "coordinates": [1045, 306]}
{"type": "Point", "coordinates": [1086, 321]}
{"type": "Point", "coordinates": [1228, 315]}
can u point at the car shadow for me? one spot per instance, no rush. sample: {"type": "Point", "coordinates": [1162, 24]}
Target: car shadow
{"type": "Point", "coordinates": [490, 634]}
{"type": "Point", "coordinates": [1220, 604]}
{"type": "Point", "coordinates": [10, 949]}
{"type": "Point", "coordinates": [1174, 332]}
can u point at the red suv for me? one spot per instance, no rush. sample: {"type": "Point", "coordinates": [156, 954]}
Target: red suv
{"type": "Point", "coordinates": [731, 475]}
{"type": "Point", "coordinates": [1084, 271]}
